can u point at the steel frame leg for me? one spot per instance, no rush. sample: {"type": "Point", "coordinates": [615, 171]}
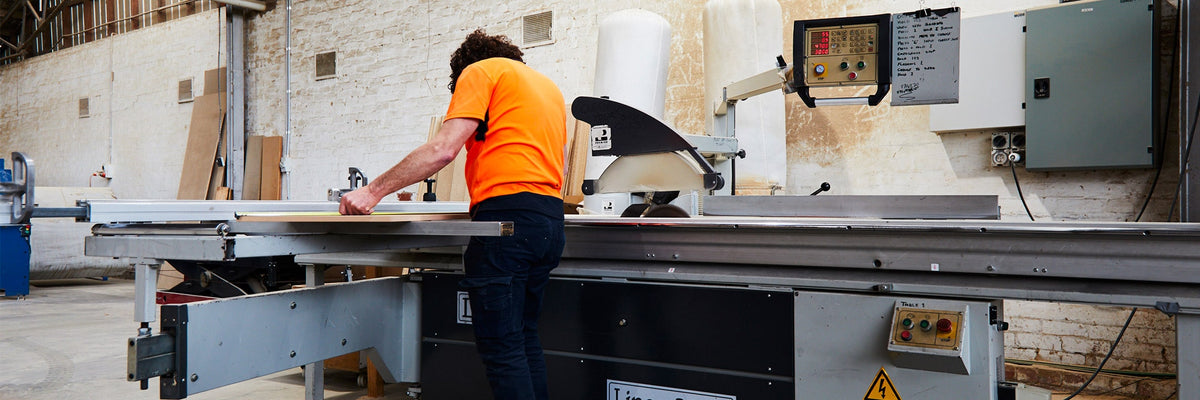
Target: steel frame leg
{"type": "Point", "coordinates": [1187, 347]}
{"type": "Point", "coordinates": [145, 289]}
{"type": "Point", "coordinates": [314, 373]}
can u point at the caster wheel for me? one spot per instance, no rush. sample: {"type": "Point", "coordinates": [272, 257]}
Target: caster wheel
{"type": "Point", "coordinates": [362, 380]}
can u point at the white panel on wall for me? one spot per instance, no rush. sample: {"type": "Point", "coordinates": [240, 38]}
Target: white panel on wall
{"type": "Point", "coordinates": [991, 76]}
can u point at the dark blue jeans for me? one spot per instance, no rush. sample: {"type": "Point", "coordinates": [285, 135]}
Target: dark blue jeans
{"type": "Point", "coordinates": [506, 277]}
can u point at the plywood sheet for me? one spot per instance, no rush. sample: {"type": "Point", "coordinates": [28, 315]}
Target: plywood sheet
{"type": "Point", "coordinates": [458, 179]}
{"type": "Point", "coordinates": [203, 135]}
{"type": "Point", "coordinates": [435, 123]}
{"type": "Point", "coordinates": [567, 150]}
{"type": "Point", "coordinates": [335, 217]}
{"type": "Point", "coordinates": [217, 179]}
{"type": "Point", "coordinates": [168, 276]}
{"type": "Point", "coordinates": [214, 81]}
{"type": "Point", "coordinates": [451, 180]}
{"type": "Point", "coordinates": [272, 179]}
{"type": "Point", "coordinates": [577, 160]}
{"type": "Point", "coordinates": [252, 183]}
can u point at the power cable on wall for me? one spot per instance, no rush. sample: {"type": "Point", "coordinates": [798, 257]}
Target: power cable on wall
{"type": "Point", "coordinates": [1013, 165]}
{"type": "Point", "coordinates": [1183, 165]}
{"type": "Point", "coordinates": [219, 23]}
{"type": "Point", "coordinates": [1162, 142]}
{"type": "Point", "coordinates": [1106, 356]}
{"type": "Point", "coordinates": [287, 113]}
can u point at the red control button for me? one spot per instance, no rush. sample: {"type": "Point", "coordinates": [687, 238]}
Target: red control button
{"type": "Point", "coordinates": [906, 336]}
{"type": "Point", "coordinates": [853, 75]}
{"type": "Point", "coordinates": [944, 325]}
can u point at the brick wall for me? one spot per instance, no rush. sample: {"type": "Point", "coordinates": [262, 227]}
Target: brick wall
{"type": "Point", "coordinates": [135, 121]}
{"type": "Point", "coordinates": [393, 70]}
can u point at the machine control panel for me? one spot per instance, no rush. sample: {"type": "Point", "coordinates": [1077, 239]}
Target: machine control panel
{"type": "Point", "coordinates": [931, 335]}
{"type": "Point", "coordinates": [919, 327]}
{"type": "Point", "coordinates": [842, 55]}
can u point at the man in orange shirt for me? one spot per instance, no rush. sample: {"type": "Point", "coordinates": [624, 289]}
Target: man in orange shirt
{"type": "Point", "coordinates": [512, 121]}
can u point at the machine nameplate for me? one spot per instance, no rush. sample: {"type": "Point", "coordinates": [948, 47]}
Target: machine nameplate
{"type": "Point", "coordinates": [618, 390]}
{"type": "Point", "coordinates": [882, 388]}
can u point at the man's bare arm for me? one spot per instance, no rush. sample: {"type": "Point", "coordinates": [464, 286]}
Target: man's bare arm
{"type": "Point", "coordinates": [426, 160]}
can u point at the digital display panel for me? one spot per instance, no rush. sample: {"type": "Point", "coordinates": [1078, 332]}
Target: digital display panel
{"type": "Point", "coordinates": [820, 43]}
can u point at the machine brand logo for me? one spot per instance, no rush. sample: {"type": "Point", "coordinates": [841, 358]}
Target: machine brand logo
{"type": "Point", "coordinates": [1087, 10]}
{"type": "Point", "coordinates": [601, 138]}
{"type": "Point", "coordinates": [618, 390]}
{"type": "Point", "coordinates": [464, 309]}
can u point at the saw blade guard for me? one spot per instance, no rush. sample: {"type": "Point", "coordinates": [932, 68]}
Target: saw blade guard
{"type": "Point", "coordinates": [650, 155]}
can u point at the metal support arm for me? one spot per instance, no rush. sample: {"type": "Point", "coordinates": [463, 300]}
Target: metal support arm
{"type": "Point", "coordinates": [221, 342]}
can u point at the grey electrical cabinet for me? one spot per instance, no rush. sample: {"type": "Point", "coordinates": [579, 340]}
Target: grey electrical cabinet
{"type": "Point", "coordinates": [1091, 85]}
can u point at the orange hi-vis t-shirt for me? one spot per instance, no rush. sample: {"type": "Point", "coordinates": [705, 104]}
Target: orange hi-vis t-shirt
{"type": "Point", "coordinates": [522, 150]}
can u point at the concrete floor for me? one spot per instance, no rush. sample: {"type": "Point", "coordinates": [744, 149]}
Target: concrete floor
{"type": "Point", "coordinates": [65, 342]}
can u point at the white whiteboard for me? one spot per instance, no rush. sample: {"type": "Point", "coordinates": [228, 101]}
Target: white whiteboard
{"type": "Point", "coordinates": [991, 79]}
{"type": "Point", "coordinates": [925, 57]}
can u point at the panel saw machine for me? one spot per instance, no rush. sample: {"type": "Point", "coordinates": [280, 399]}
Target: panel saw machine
{"type": "Point", "coordinates": [750, 297]}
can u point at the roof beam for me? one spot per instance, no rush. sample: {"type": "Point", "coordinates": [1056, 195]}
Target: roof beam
{"type": "Point", "coordinates": [45, 23]}
{"type": "Point", "coordinates": [12, 10]}
{"type": "Point", "coordinates": [36, 16]}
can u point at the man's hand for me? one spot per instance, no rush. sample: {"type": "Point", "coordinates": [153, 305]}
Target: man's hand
{"type": "Point", "coordinates": [361, 201]}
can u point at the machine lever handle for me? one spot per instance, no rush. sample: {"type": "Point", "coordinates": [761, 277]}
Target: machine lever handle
{"type": "Point", "coordinates": [824, 188]}
{"type": "Point", "coordinates": [429, 194]}
{"type": "Point", "coordinates": [357, 175]}
{"type": "Point", "coordinates": [23, 167]}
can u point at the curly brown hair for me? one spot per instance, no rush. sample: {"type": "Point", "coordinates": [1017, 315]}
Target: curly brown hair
{"type": "Point", "coordinates": [478, 47]}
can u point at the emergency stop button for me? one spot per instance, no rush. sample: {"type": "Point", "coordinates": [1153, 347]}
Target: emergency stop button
{"type": "Point", "coordinates": [944, 325]}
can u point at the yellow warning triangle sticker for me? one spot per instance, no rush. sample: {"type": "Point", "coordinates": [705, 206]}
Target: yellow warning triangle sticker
{"type": "Point", "coordinates": [881, 388]}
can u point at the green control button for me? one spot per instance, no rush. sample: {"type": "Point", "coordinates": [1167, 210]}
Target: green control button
{"type": "Point", "coordinates": [844, 65]}
{"type": "Point", "coordinates": [925, 325]}
{"type": "Point", "coordinates": [862, 64]}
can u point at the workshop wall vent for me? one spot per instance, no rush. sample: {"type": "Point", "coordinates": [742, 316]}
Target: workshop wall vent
{"type": "Point", "coordinates": [537, 28]}
{"type": "Point", "coordinates": [326, 65]}
{"type": "Point", "coordinates": [83, 108]}
{"type": "Point", "coordinates": [185, 91]}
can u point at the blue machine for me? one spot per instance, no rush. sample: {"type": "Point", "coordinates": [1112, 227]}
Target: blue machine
{"type": "Point", "coordinates": [16, 203]}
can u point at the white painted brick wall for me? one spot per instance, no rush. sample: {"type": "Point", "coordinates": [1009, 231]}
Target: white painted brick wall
{"type": "Point", "coordinates": [136, 123]}
{"type": "Point", "coordinates": [393, 70]}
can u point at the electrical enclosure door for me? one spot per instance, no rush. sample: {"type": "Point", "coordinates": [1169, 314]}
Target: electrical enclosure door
{"type": "Point", "coordinates": [14, 260]}
{"type": "Point", "coordinates": [1090, 85]}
